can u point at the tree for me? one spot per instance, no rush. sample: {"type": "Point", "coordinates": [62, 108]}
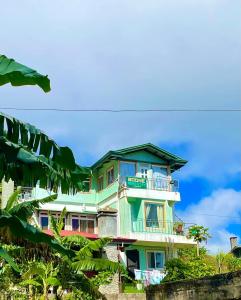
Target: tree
{"type": "Point", "coordinates": [199, 234]}
{"type": "Point", "coordinates": [189, 266]}
{"type": "Point", "coordinates": [41, 274]}
{"type": "Point", "coordinates": [14, 224]}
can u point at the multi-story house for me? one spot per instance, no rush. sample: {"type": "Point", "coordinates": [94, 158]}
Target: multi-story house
{"type": "Point", "coordinates": [131, 197]}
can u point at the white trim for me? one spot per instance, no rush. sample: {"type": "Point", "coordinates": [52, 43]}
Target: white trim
{"type": "Point", "coordinates": [70, 208]}
{"type": "Point", "coordinates": [150, 194]}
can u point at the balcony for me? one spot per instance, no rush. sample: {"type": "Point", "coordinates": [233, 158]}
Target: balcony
{"type": "Point", "coordinates": [159, 184]}
{"type": "Point", "coordinates": [164, 227]}
{"type": "Point", "coordinates": [149, 188]}
{"type": "Point", "coordinates": [160, 231]}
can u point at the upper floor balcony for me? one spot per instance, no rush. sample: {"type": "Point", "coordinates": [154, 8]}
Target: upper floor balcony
{"type": "Point", "coordinates": [159, 183]}
{"type": "Point", "coordinates": [149, 188]}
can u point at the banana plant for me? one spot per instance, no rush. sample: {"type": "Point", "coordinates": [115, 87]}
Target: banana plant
{"type": "Point", "coordinates": [14, 223]}
{"type": "Point", "coordinates": [27, 156]}
{"type": "Point", "coordinates": [42, 275]}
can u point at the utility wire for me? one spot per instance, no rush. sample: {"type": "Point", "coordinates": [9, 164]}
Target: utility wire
{"type": "Point", "coordinates": [120, 110]}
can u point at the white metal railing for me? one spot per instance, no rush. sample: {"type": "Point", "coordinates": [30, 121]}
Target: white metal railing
{"type": "Point", "coordinates": [159, 183]}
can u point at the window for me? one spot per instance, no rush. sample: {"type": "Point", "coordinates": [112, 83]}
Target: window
{"type": "Point", "coordinates": [154, 215]}
{"type": "Point", "coordinates": [110, 176]}
{"type": "Point", "coordinates": [100, 183]}
{"type": "Point", "coordinates": [83, 224]}
{"type": "Point", "coordinates": [155, 260]}
{"type": "Point", "coordinates": [44, 221]}
{"type": "Point", "coordinates": [127, 169]}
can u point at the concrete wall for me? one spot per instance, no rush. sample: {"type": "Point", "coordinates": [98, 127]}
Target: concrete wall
{"type": "Point", "coordinates": [126, 297]}
{"type": "Point", "coordinates": [111, 253]}
{"type": "Point", "coordinates": [219, 287]}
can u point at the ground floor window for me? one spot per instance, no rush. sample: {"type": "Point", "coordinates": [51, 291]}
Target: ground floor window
{"type": "Point", "coordinates": [155, 259]}
{"type": "Point", "coordinates": [83, 223]}
{"type": "Point", "coordinates": [45, 221]}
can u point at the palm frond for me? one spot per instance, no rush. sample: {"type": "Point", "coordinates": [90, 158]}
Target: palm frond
{"type": "Point", "coordinates": [27, 155]}
{"type": "Point", "coordinates": [12, 199]}
{"type": "Point", "coordinates": [92, 246]}
{"type": "Point", "coordinates": [97, 264]}
{"type": "Point", "coordinates": [28, 282]}
{"type": "Point", "coordinates": [4, 254]}
{"type": "Point", "coordinates": [26, 209]}
{"type": "Point", "coordinates": [75, 240]}
{"type": "Point", "coordinates": [22, 229]}
{"type": "Point", "coordinates": [18, 74]}
{"type": "Point", "coordinates": [60, 221]}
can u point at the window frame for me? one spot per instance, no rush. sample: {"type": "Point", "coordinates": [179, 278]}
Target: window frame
{"type": "Point", "coordinates": [107, 174]}
{"type": "Point", "coordinates": [163, 205]}
{"type": "Point", "coordinates": [101, 177]}
{"type": "Point", "coordinates": [83, 218]}
{"type": "Point", "coordinates": [155, 251]}
{"type": "Point", "coordinates": [52, 213]}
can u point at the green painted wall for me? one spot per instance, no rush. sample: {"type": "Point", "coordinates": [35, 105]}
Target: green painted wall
{"type": "Point", "coordinates": [125, 216]}
{"type": "Point", "coordinates": [142, 253]}
{"type": "Point", "coordinates": [137, 211]}
{"type": "Point", "coordinates": [144, 156]}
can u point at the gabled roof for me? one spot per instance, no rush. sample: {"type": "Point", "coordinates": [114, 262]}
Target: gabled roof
{"type": "Point", "coordinates": [175, 162]}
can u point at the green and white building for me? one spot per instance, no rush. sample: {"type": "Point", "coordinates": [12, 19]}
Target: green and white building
{"type": "Point", "coordinates": [132, 195]}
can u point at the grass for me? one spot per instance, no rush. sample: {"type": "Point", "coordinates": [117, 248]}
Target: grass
{"type": "Point", "coordinates": [130, 288]}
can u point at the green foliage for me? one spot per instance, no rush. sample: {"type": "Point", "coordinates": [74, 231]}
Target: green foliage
{"type": "Point", "coordinates": [188, 266]}
{"type": "Point", "coordinates": [102, 278]}
{"type": "Point", "coordinates": [18, 74]}
{"type": "Point", "coordinates": [27, 155]}
{"type": "Point", "coordinates": [198, 233]}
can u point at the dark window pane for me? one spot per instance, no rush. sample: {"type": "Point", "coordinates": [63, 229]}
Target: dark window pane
{"type": "Point", "coordinates": [75, 224]}
{"type": "Point", "coordinates": [151, 260]}
{"type": "Point", "coordinates": [44, 221]}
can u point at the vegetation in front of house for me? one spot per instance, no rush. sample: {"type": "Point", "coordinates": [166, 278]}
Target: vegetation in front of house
{"type": "Point", "coordinates": [190, 266]}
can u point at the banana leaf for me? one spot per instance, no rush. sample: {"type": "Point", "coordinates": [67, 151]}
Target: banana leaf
{"type": "Point", "coordinates": [23, 230]}
{"type": "Point", "coordinates": [18, 74]}
{"type": "Point", "coordinates": [27, 155]}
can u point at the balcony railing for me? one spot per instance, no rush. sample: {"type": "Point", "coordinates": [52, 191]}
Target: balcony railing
{"type": "Point", "coordinates": [164, 227]}
{"type": "Point", "coordinates": [160, 184]}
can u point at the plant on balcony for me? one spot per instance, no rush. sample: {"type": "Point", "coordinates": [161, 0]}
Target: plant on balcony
{"type": "Point", "coordinates": [178, 227]}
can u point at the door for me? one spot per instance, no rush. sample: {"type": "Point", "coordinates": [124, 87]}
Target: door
{"type": "Point", "coordinates": [145, 171]}
{"type": "Point", "coordinates": [133, 261]}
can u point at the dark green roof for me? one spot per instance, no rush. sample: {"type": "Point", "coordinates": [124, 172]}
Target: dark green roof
{"type": "Point", "coordinates": [174, 161]}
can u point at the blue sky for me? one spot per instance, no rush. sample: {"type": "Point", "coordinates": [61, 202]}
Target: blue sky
{"type": "Point", "coordinates": [140, 54]}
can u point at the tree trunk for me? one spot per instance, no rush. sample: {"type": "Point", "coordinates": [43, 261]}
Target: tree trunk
{"type": "Point", "coordinates": [197, 248]}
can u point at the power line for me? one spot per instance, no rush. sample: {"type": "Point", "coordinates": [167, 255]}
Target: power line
{"type": "Point", "coordinates": [120, 110]}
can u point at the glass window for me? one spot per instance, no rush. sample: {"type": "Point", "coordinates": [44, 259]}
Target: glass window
{"type": "Point", "coordinates": [154, 215]}
{"type": "Point", "coordinates": [44, 222]}
{"type": "Point", "coordinates": [100, 183]}
{"type": "Point", "coordinates": [127, 169]}
{"type": "Point", "coordinates": [159, 171]}
{"type": "Point", "coordinates": [91, 226]}
{"type": "Point", "coordinates": [83, 225]}
{"type": "Point", "coordinates": [75, 224]}
{"type": "Point", "coordinates": [155, 260]}
{"type": "Point", "coordinates": [110, 176]}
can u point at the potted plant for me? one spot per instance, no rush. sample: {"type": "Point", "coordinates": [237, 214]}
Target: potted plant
{"type": "Point", "coordinates": [178, 227]}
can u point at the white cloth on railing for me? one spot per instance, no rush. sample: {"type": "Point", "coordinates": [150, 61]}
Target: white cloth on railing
{"type": "Point", "coordinates": [149, 276]}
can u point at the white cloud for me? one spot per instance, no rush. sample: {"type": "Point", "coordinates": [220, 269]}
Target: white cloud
{"type": "Point", "coordinates": [217, 212]}
{"type": "Point", "coordinates": [132, 54]}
